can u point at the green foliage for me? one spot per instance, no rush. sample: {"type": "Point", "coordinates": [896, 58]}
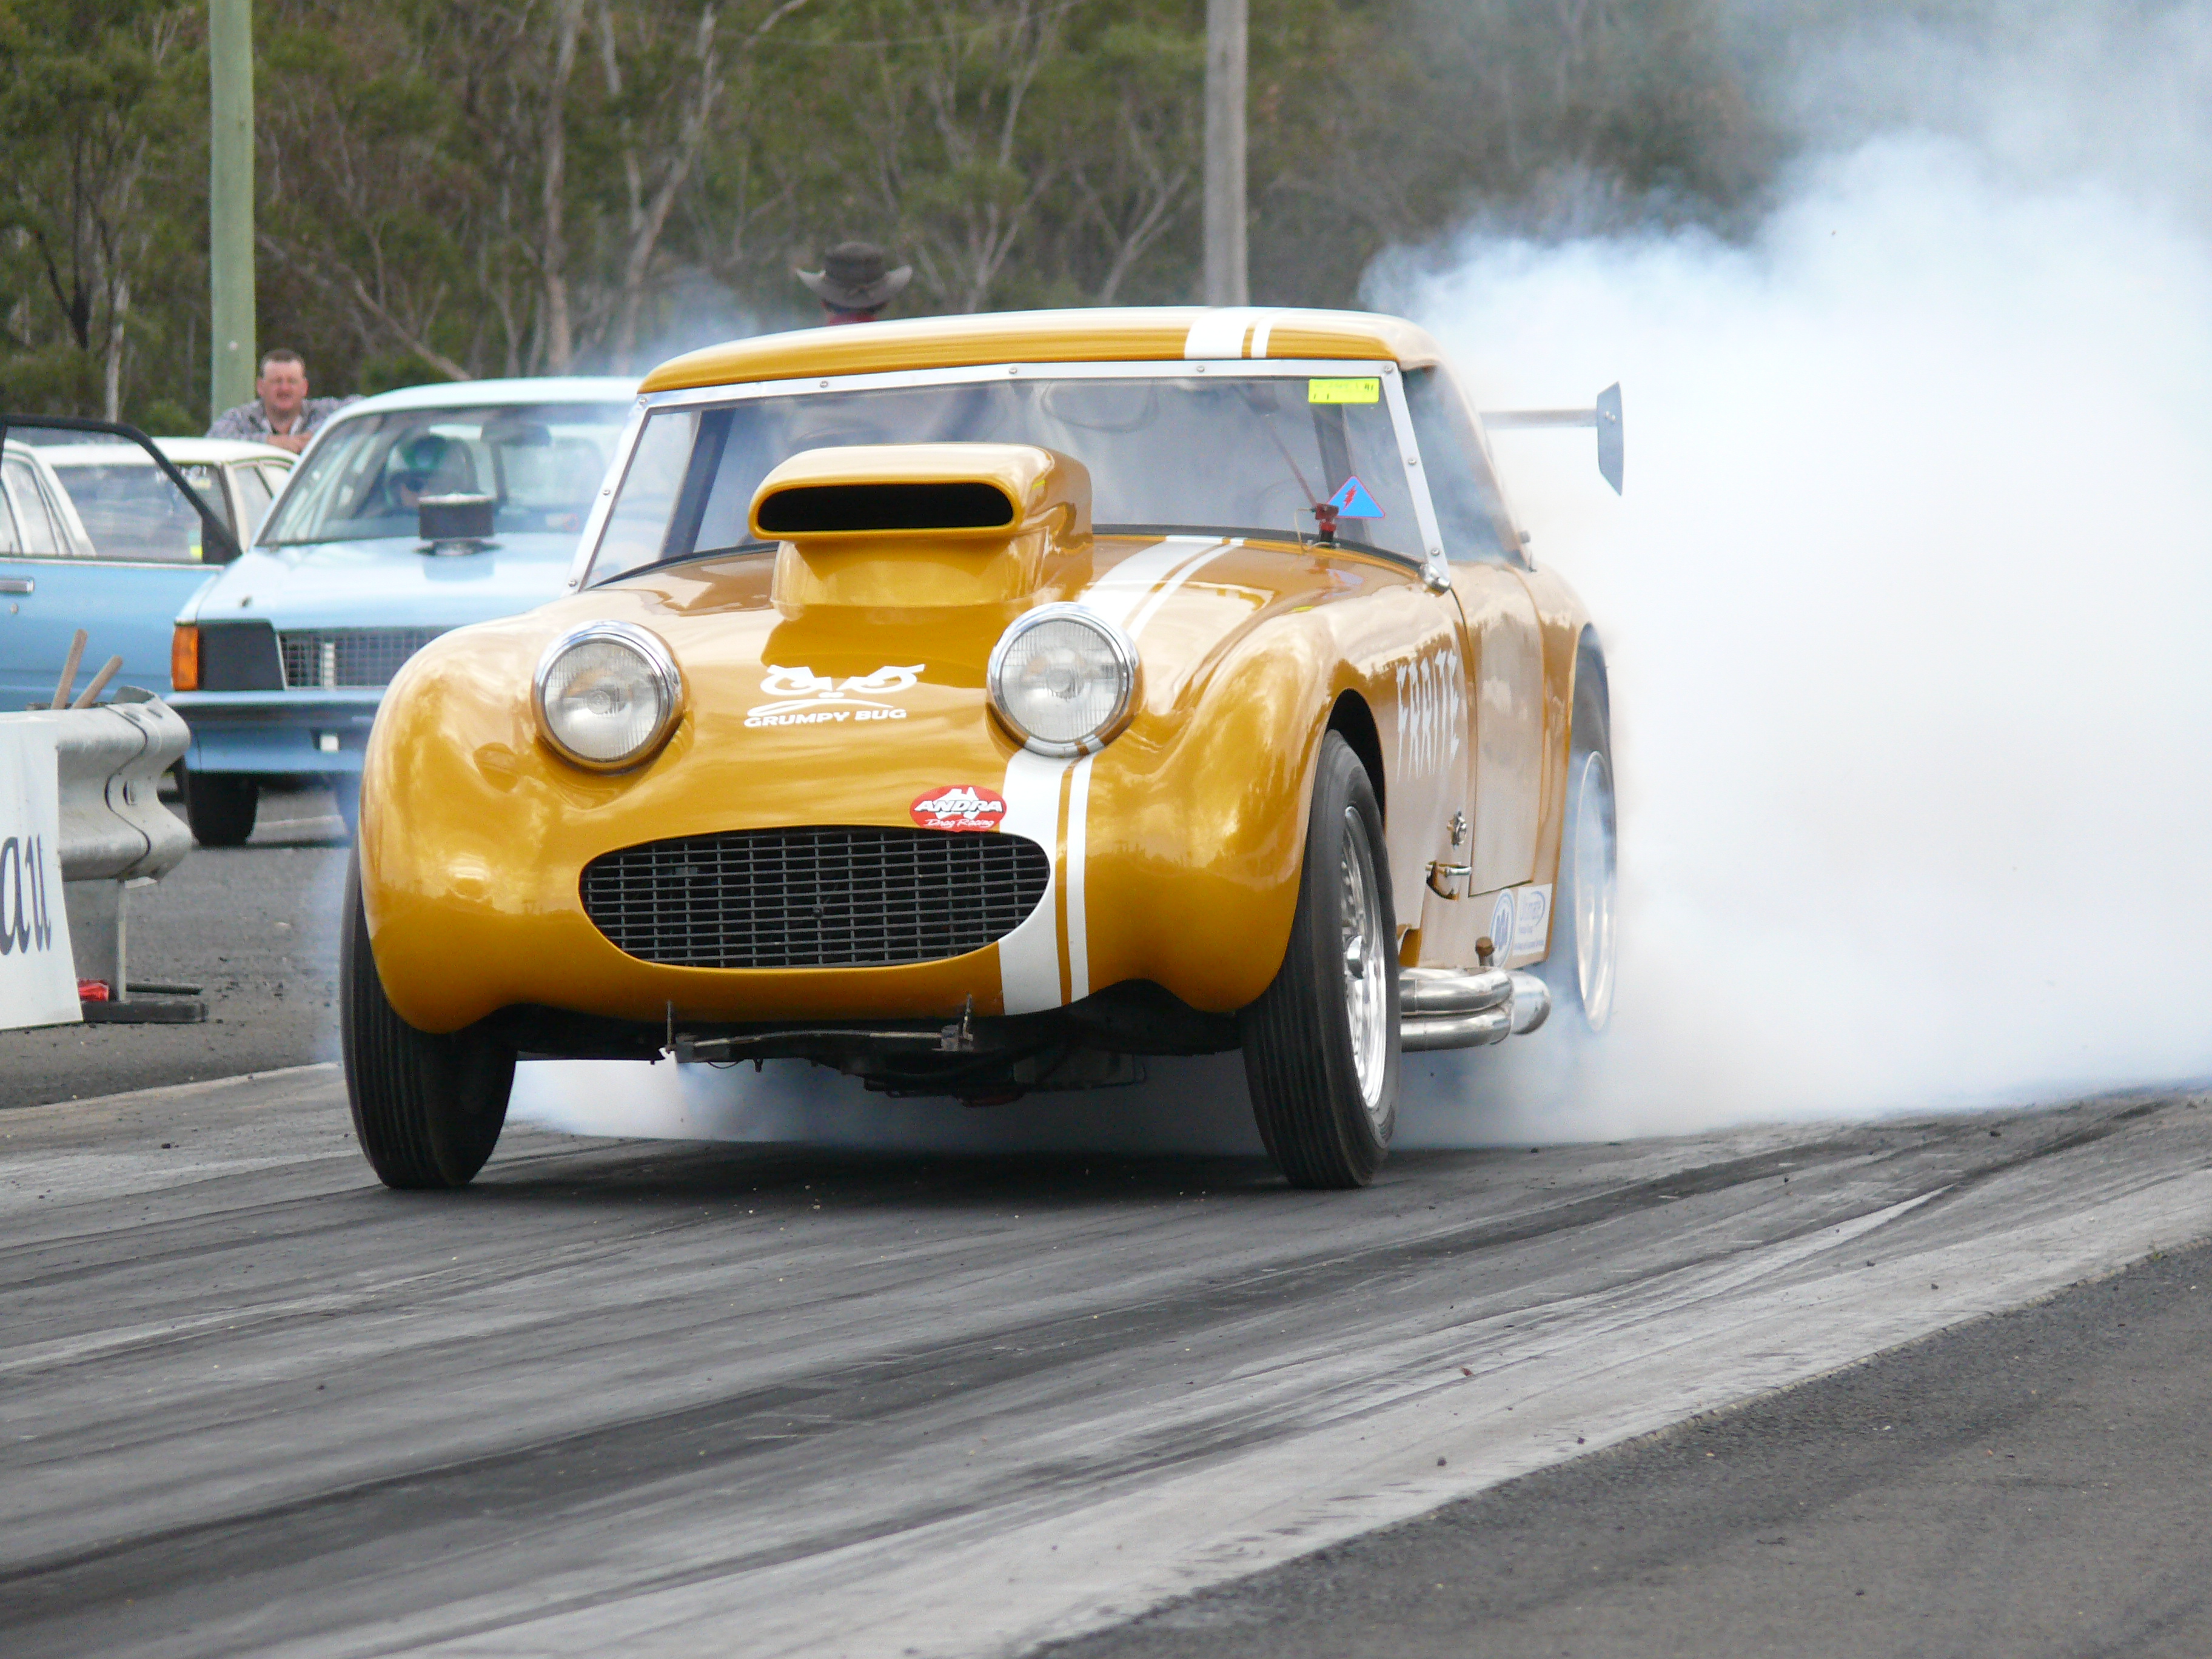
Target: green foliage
{"type": "Point", "coordinates": [91, 92]}
{"type": "Point", "coordinates": [473, 187]}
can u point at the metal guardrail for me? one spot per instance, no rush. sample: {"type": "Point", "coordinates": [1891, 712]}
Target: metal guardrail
{"type": "Point", "coordinates": [110, 760]}
{"type": "Point", "coordinates": [115, 835]}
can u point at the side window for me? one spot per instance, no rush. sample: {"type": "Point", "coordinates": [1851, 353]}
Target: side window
{"type": "Point", "coordinates": [250, 489]}
{"type": "Point", "coordinates": [10, 541]}
{"type": "Point", "coordinates": [133, 513]}
{"type": "Point", "coordinates": [1468, 510]}
{"type": "Point", "coordinates": [32, 530]}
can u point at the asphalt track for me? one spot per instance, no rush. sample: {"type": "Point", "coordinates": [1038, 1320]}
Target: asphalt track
{"type": "Point", "coordinates": [670, 1398]}
{"type": "Point", "coordinates": [256, 927]}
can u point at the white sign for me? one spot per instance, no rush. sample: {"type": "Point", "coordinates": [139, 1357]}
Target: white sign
{"type": "Point", "coordinates": [38, 974]}
{"type": "Point", "coordinates": [1532, 922]}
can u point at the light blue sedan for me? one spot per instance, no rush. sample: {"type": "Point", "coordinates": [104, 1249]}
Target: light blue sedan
{"type": "Point", "coordinates": [93, 536]}
{"type": "Point", "coordinates": [411, 513]}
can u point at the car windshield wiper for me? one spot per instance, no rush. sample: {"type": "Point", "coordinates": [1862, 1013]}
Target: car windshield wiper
{"type": "Point", "coordinates": [1272, 533]}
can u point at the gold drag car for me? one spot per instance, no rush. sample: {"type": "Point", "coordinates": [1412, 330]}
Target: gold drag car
{"type": "Point", "coordinates": [978, 704]}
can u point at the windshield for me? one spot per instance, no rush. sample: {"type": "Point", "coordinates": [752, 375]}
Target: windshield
{"type": "Point", "coordinates": [1237, 452]}
{"type": "Point", "coordinates": [540, 464]}
{"type": "Point", "coordinates": [133, 512]}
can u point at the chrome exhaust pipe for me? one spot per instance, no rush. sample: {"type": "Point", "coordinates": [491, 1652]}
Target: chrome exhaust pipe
{"type": "Point", "coordinates": [1444, 1008]}
{"type": "Point", "coordinates": [1532, 1003]}
{"type": "Point", "coordinates": [1457, 1031]}
{"type": "Point", "coordinates": [1423, 991]}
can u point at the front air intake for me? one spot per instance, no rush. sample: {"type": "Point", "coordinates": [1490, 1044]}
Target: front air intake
{"type": "Point", "coordinates": [327, 658]}
{"type": "Point", "coordinates": [816, 897]}
{"type": "Point", "coordinates": [846, 509]}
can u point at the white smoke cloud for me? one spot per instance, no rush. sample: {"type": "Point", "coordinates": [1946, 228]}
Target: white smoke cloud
{"type": "Point", "coordinates": [1906, 604]}
{"type": "Point", "coordinates": [1185, 1105]}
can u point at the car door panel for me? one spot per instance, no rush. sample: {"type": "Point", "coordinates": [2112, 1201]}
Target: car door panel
{"type": "Point", "coordinates": [127, 607]}
{"type": "Point", "coordinates": [1503, 655]}
{"type": "Point", "coordinates": [1507, 675]}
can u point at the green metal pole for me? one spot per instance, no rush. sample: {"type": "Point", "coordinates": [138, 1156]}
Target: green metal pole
{"type": "Point", "coordinates": [1227, 259]}
{"type": "Point", "coordinates": [230, 203]}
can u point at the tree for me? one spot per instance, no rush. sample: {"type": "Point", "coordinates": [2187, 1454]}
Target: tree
{"type": "Point", "coordinates": [458, 188]}
{"type": "Point", "coordinates": [88, 91]}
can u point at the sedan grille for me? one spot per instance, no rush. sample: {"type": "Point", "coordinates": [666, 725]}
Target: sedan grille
{"type": "Point", "coordinates": [327, 657]}
{"type": "Point", "coordinates": [830, 898]}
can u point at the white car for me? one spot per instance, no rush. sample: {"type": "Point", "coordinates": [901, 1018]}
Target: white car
{"type": "Point", "coordinates": [116, 486]}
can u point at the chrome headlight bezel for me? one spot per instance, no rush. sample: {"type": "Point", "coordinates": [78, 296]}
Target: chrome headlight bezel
{"type": "Point", "coordinates": [1120, 645]}
{"type": "Point", "coordinates": [660, 668]}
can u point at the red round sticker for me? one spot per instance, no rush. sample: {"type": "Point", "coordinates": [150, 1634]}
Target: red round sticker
{"type": "Point", "coordinates": [959, 806]}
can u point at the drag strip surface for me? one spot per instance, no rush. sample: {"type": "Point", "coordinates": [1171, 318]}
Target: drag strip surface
{"type": "Point", "coordinates": [660, 1398]}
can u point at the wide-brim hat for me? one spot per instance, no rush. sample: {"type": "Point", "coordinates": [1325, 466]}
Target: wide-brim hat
{"type": "Point", "coordinates": [853, 277]}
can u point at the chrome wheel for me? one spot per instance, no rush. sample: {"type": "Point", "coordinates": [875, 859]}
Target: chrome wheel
{"type": "Point", "coordinates": [1592, 839]}
{"type": "Point", "coordinates": [1366, 964]}
{"type": "Point", "coordinates": [1320, 1042]}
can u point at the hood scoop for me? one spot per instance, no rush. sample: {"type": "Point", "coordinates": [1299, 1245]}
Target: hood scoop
{"type": "Point", "coordinates": [907, 527]}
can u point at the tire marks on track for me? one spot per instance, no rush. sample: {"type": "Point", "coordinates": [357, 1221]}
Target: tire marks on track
{"type": "Point", "coordinates": [944, 1345]}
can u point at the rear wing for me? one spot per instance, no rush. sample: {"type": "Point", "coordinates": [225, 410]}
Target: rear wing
{"type": "Point", "coordinates": [1604, 414]}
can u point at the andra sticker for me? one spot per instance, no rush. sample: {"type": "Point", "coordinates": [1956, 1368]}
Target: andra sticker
{"type": "Point", "coordinates": [959, 806]}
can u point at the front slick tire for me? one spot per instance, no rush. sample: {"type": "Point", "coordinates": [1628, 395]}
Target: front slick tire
{"type": "Point", "coordinates": [427, 1110]}
{"type": "Point", "coordinates": [1321, 1045]}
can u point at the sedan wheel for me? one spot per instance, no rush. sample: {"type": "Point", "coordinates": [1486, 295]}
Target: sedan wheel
{"type": "Point", "coordinates": [221, 806]}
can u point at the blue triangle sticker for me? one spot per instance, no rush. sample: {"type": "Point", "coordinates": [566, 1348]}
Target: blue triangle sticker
{"type": "Point", "coordinates": [1352, 501]}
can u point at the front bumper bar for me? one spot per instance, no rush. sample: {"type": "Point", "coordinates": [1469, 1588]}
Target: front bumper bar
{"type": "Point", "coordinates": [295, 732]}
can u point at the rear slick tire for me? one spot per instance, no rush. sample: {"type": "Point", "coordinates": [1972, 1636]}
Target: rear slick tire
{"type": "Point", "coordinates": [1585, 943]}
{"type": "Point", "coordinates": [427, 1108]}
{"type": "Point", "coordinates": [1321, 1045]}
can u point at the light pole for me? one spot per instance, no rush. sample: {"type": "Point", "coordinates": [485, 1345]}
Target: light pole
{"type": "Point", "coordinates": [230, 203]}
{"type": "Point", "coordinates": [1226, 280]}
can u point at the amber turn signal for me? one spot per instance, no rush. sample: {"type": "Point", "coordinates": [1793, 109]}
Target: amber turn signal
{"type": "Point", "coordinates": [185, 659]}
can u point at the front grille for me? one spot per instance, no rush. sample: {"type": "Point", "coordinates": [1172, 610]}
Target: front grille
{"type": "Point", "coordinates": [348, 656]}
{"type": "Point", "coordinates": [815, 897]}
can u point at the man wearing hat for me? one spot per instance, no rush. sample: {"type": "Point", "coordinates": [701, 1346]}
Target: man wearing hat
{"type": "Point", "coordinates": [853, 285]}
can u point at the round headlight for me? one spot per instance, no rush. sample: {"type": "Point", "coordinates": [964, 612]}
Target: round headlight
{"type": "Point", "coordinates": [607, 694]}
{"type": "Point", "coordinates": [1064, 679]}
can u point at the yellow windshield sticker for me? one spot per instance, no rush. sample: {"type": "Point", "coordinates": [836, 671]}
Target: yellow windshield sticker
{"type": "Point", "coordinates": [1366, 391]}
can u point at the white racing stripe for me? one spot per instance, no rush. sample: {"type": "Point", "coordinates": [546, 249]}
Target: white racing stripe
{"type": "Point", "coordinates": [1132, 591]}
{"type": "Point", "coordinates": [1078, 857]}
{"type": "Point", "coordinates": [1029, 981]}
{"type": "Point", "coordinates": [1029, 957]}
{"type": "Point", "coordinates": [1220, 332]}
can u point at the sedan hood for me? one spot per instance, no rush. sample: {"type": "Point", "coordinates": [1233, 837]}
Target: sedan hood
{"type": "Point", "coordinates": [386, 583]}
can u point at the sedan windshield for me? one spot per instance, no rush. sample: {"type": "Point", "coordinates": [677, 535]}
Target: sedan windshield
{"type": "Point", "coordinates": [540, 463]}
{"type": "Point", "coordinates": [1240, 453]}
